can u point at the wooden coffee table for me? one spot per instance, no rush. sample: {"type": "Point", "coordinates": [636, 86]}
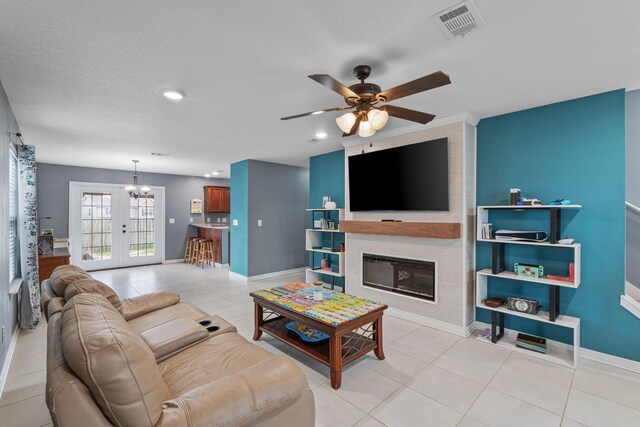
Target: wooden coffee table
{"type": "Point", "coordinates": [354, 325]}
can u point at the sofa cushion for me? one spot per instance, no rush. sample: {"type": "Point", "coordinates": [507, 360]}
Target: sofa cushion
{"type": "Point", "coordinates": [90, 285]}
{"type": "Point", "coordinates": [180, 310]}
{"type": "Point", "coordinates": [112, 361]}
{"type": "Point", "coordinates": [214, 358]}
{"type": "Point", "coordinates": [63, 276]}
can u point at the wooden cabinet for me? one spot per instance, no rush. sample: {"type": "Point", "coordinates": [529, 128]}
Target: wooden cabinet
{"type": "Point", "coordinates": [217, 199]}
{"type": "Point", "coordinates": [48, 263]}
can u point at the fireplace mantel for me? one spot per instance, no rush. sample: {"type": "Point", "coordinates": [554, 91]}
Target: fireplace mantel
{"type": "Point", "coordinates": [433, 230]}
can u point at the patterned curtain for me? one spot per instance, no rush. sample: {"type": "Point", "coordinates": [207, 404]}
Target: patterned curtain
{"type": "Point", "coordinates": [29, 295]}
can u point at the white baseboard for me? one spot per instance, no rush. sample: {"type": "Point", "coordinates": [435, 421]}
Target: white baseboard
{"type": "Point", "coordinates": [266, 275]}
{"type": "Point", "coordinates": [277, 273]}
{"type": "Point", "coordinates": [7, 358]}
{"type": "Point", "coordinates": [632, 305]}
{"type": "Point", "coordinates": [173, 261]}
{"type": "Point", "coordinates": [437, 324]}
{"type": "Point", "coordinates": [608, 359]}
{"type": "Point", "coordinates": [238, 276]}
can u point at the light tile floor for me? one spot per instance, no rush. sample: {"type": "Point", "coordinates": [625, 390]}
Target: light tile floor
{"type": "Point", "coordinates": [429, 377]}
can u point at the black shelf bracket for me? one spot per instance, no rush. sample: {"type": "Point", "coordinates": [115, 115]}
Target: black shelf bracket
{"type": "Point", "coordinates": [497, 321]}
{"type": "Point", "coordinates": [497, 257]}
{"type": "Point", "coordinates": [554, 302]}
{"type": "Point", "coordinates": [554, 225]}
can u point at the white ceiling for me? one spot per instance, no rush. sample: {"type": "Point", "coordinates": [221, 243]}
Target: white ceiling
{"type": "Point", "coordinates": [84, 77]}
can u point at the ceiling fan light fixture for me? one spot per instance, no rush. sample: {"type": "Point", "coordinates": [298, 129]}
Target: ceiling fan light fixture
{"type": "Point", "coordinates": [346, 122]}
{"type": "Point", "coordinates": [377, 118]}
{"type": "Point", "coordinates": [365, 129]}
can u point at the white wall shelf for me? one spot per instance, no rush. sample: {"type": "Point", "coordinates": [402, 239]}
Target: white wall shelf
{"type": "Point", "coordinates": [556, 352]}
{"type": "Point", "coordinates": [524, 242]}
{"type": "Point", "coordinates": [339, 210]}
{"type": "Point", "coordinates": [513, 276]}
{"type": "Point", "coordinates": [530, 207]}
{"type": "Point", "coordinates": [316, 244]}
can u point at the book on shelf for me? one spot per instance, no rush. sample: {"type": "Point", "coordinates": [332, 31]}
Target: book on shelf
{"type": "Point", "coordinates": [531, 342]}
{"type": "Point", "coordinates": [487, 230]}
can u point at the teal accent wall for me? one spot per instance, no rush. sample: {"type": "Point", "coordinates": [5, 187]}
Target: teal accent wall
{"type": "Point", "coordinates": [326, 178]}
{"type": "Point", "coordinates": [239, 234]}
{"type": "Point", "coordinates": [573, 150]}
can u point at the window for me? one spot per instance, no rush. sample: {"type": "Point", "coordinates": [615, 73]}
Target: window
{"type": "Point", "coordinates": [14, 246]}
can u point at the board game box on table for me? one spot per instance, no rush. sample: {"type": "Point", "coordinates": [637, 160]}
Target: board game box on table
{"type": "Point", "coordinates": [334, 309]}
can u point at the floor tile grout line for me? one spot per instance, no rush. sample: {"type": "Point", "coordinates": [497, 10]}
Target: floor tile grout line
{"type": "Point", "coordinates": [22, 400]}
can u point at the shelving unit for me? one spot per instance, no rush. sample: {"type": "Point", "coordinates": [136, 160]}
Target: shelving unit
{"type": "Point", "coordinates": [314, 245]}
{"type": "Point", "coordinates": [556, 352]}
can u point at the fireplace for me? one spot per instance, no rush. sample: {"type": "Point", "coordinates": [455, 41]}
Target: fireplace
{"type": "Point", "coordinates": [401, 276]}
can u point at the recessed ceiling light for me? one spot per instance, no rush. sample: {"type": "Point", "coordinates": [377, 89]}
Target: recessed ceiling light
{"type": "Point", "coordinates": [321, 135]}
{"type": "Point", "coordinates": [206, 175]}
{"type": "Point", "coordinates": [216, 173]}
{"type": "Point", "coordinates": [173, 94]}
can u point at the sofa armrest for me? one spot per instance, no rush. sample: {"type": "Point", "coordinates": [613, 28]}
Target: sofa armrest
{"type": "Point", "coordinates": [237, 400]}
{"type": "Point", "coordinates": [143, 304]}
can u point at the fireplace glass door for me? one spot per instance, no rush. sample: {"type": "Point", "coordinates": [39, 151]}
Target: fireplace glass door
{"type": "Point", "coordinates": [399, 275]}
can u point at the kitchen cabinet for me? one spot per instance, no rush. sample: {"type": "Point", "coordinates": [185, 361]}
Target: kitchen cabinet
{"type": "Point", "coordinates": [217, 199]}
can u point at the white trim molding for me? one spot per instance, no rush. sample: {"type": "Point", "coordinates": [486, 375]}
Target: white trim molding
{"type": "Point", "coordinates": [266, 275]}
{"type": "Point", "coordinates": [173, 261]}
{"type": "Point", "coordinates": [6, 363]}
{"type": "Point", "coordinates": [608, 359]}
{"type": "Point", "coordinates": [433, 323]}
{"type": "Point", "coordinates": [630, 304]}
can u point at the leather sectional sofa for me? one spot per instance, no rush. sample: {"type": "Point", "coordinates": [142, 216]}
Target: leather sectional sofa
{"type": "Point", "coordinates": [154, 360]}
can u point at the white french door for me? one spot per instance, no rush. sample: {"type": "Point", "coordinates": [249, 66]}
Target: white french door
{"type": "Point", "coordinates": [110, 229]}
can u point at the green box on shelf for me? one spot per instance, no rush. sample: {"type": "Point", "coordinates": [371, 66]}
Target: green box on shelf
{"type": "Point", "coordinates": [528, 270]}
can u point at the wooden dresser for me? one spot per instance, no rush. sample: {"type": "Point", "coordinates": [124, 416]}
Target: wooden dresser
{"type": "Point", "coordinates": [48, 263]}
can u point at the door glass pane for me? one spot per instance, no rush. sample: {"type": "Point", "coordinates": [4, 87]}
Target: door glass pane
{"type": "Point", "coordinates": [141, 214]}
{"type": "Point", "coordinates": [96, 226]}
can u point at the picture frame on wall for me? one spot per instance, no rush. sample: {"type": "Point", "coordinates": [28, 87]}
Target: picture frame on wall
{"type": "Point", "coordinates": [196, 206]}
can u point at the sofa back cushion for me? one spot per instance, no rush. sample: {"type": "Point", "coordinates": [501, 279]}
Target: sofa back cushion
{"type": "Point", "coordinates": [112, 361]}
{"type": "Point", "coordinates": [63, 276]}
{"type": "Point", "coordinates": [90, 285]}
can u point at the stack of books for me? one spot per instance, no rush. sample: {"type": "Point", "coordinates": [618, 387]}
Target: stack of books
{"type": "Point", "coordinates": [532, 343]}
{"type": "Point", "coordinates": [487, 230]}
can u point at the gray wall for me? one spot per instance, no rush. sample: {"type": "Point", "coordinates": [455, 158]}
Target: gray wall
{"type": "Point", "coordinates": [8, 308]}
{"type": "Point", "coordinates": [53, 198]}
{"type": "Point", "coordinates": [278, 195]}
{"type": "Point", "coordinates": [633, 187]}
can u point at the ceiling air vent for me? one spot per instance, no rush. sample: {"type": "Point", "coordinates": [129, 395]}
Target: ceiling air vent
{"type": "Point", "coordinates": [458, 20]}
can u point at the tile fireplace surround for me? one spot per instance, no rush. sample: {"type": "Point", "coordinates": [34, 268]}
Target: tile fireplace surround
{"type": "Point", "coordinates": [452, 309]}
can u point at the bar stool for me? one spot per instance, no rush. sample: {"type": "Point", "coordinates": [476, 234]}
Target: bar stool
{"type": "Point", "coordinates": [195, 251]}
{"type": "Point", "coordinates": [205, 253]}
{"type": "Point", "coordinates": [188, 248]}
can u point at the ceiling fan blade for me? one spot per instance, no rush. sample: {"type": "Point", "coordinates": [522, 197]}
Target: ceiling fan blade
{"type": "Point", "coordinates": [334, 85]}
{"type": "Point", "coordinates": [407, 114]}
{"type": "Point", "coordinates": [431, 81]}
{"type": "Point", "coordinates": [313, 113]}
{"type": "Point", "coordinates": [354, 128]}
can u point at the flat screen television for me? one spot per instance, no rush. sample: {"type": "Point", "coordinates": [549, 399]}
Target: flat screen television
{"type": "Point", "coordinates": [409, 178]}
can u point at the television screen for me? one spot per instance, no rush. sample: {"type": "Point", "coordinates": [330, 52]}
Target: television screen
{"type": "Point", "coordinates": [410, 178]}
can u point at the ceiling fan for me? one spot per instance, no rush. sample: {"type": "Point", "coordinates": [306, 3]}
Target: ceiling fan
{"type": "Point", "coordinates": [363, 97]}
